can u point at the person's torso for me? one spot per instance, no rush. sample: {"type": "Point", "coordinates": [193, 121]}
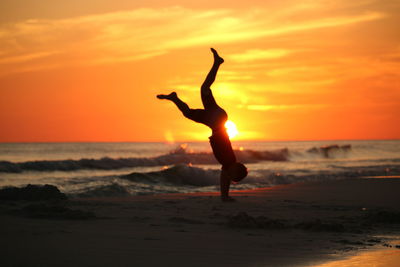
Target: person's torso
{"type": "Point", "coordinates": [222, 148]}
{"type": "Point", "coordinates": [216, 118]}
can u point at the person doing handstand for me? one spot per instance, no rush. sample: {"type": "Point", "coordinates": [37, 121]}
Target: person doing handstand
{"type": "Point", "coordinates": [214, 117]}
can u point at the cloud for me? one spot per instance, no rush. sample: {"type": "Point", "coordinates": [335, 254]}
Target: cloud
{"type": "Point", "coordinates": [26, 57]}
{"type": "Point", "coordinates": [148, 32]}
{"type": "Point", "coordinates": [230, 75]}
{"type": "Point", "coordinates": [259, 54]}
{"type": "Point", "coordinates": [280, 107]}
{"type": "Point", "coordinates": [292, 71]}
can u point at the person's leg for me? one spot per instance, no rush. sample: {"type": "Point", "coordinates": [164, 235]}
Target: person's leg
{"type": "Point", "coordinates": [174, 98]}
{"type": "Point", "coordinates": [206, 94]}
{"type": "Point", "coordinates": [197, 115]}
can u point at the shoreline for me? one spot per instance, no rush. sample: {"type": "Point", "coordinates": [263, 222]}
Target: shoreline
{"type": "Point", "coordinates": [288, 225]}
{"type": "Point", "coordinates": [373, 257]}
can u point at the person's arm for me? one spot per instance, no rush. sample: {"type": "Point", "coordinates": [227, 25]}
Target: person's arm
{"type": "Point", "coordinates": [225, 183]}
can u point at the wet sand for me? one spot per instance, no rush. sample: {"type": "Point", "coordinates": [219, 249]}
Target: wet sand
{"type": "Point", "coordinates": [375, 258]}
{"type": "Point", "coordinates": [292, 225]}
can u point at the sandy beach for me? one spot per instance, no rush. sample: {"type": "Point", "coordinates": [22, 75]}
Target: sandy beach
{"type": "Point", "coordinates": [303, 224]}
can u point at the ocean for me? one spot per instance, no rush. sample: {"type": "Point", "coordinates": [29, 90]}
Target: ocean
{"type": "Point", "coordinates": [123, 169]}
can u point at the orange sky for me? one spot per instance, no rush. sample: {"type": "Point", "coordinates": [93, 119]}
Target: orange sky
{"type": "Point", "coordinates": [294, 70]}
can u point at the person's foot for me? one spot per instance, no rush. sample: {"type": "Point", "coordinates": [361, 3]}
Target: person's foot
{"type": "Point", "coordinates": [217, 58]}
{"type": "Point", "coordinates": [169, 97]}
{"type": "Point", "coordinates": [228, 199]}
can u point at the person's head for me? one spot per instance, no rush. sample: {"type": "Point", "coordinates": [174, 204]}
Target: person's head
{"type": "Point", "coordinates": [237, 172]}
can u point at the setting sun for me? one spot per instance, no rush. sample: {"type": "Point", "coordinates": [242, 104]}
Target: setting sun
{"type": "Point", "coordinates": [231, 129]}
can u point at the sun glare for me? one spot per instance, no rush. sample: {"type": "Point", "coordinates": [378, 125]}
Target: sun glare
{"type": "Point", "coordinates": [231, 129]}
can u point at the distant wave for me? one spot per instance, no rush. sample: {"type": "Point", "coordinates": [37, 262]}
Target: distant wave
{"type": "Point", "coordinates": [179, 156]}
{"type": "Point", "coordinates": [330, 150]}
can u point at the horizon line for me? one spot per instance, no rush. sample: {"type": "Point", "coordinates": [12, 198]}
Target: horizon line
{"type": "Point", "coordinates": [199, 141]}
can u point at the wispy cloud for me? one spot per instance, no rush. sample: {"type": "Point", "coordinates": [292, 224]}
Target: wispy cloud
{"type": "Point", "coordinates": [26, 57]}
{"type": "Point", "coordinates": [280, 107]}
{"type": "Point", "coordinates": [259, 54]}
{"type": "Point", "coordinates": [148, 32]}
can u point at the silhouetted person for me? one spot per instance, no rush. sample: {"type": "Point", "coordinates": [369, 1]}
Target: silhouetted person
{"type": "Point", "coordinates": [214, 117]}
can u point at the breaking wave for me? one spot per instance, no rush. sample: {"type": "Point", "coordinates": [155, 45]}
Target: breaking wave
{"type": "Point", "coordinates": [177, 175]}
{"type": "Point", "coordinates": [178, 156]}
{"type": "Point", "coordinates": [184, 178]}
{"type": "Point", "coordinates": [180, 178]}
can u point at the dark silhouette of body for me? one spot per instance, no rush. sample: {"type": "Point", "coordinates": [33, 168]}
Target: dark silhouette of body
{"type": "Point", "coordinates": [214, 117]}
